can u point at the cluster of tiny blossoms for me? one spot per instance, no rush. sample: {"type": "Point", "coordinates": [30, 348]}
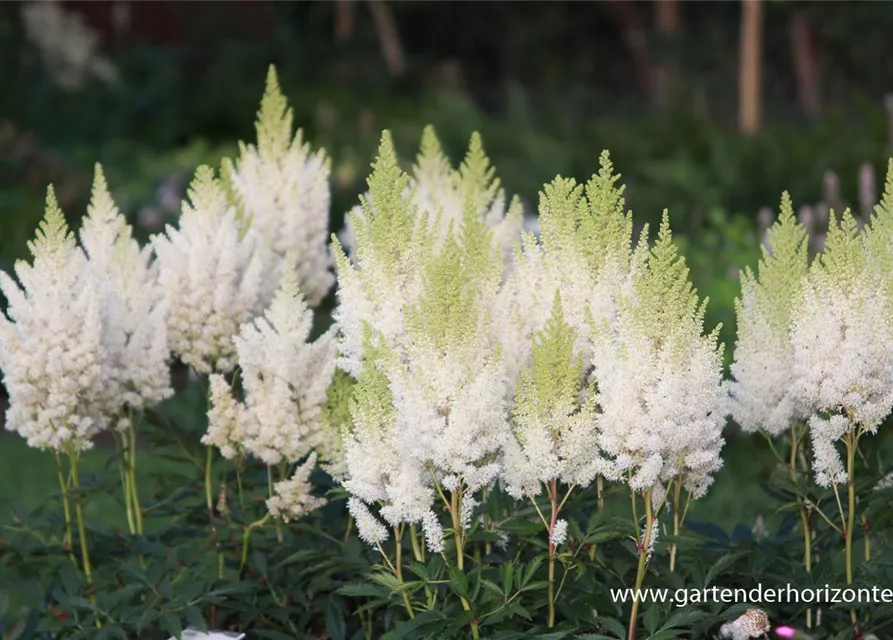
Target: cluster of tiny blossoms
{"type": "Point", "coordinates": [83, 344]}
{"type": "Point", "coordinates": [429, 411]}
{"type": "Point", "coordinates": [815, 342]}
{"type": "Point", "coordinates": [267, 214]}
{"type": "Point", "coordinates": [470, 369]}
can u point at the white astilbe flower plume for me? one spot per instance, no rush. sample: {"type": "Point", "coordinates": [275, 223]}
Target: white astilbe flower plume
{"type": "Point", "coordinates": [584, 251]}
{"type": "Point", "coordinates": [416, 332]}
{"type": "Point", "coordinates": [134, 334]}
{"type": "Point", "coordinates": [843, 348]}
{"type": "Point", "coordinates": [51, 342]}
{"type": "Point", "coordinates": [282, 189]}
{"type": "Point", "coordinates": [209, 272]}
{"type": "Point", "coordinates": [762, 396]}
{"type": "Point", "coordinates": [68, 45]}
{"type": "Point", "coordinates": [292, 499]}
{"type": "Point", "coordinates": [441, 193]}
{"type": "Point", "coordinates": [284, 378]}
{"type": "Point", "coordinates": [660, 392]}
{"type": "Point", "coordinates": [555, 432]}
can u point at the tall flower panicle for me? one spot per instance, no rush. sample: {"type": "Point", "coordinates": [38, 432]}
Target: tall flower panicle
{"type": "Point", "coordinates": [843, 347]}
{"type": "Point", "coordinates": [761, 393]}
{"type": "Point", "coordinates": [660, 391]}
{"type": "Point", "coordinates": [134, 333]}
{"type": "Point", "coordinates": [51, 351]}
{"type": "Point", "coordinates": [284, 378]}
{"type": "Point", "coordinates": [292, 499]}
{"type": "Point", "coordinates": [554, 416]}
{"type": "Point", "coordinates": [281, 187]}
{"type": "Point", "coordinates": [416, 332]}
{"type": "Point", "coordinates": [210, 273]}
{"type": "Point", "coordinates": [441, 193]}
{"type": "Point", "coordinates": [585, 251]}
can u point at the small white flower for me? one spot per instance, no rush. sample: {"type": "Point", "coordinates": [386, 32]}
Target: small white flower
{"type": "Point", "coordinates": [559, 533]}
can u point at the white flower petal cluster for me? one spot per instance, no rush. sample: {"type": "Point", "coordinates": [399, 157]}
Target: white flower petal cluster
{"type": "Point", "coordinates": [660, 393]}
{"type": "Point", "coordinates": [417, 334]}
{"type": "Point", "coordinates": [584, 251]}
{"type": "Point", "coordinates": [51, 351]}
{"type": "Point", "coordinates": [555, 425]}
{"type": "Point", "coordinates": [564, 281]}
{"type": "Point", "coordinates": [762, 396]}
{"type": "Point", "coordinates": [68, 45]}
{"type": "Point", "coordinates": [210, 272]}
{"type": "Point", "coordinates": [440, 193]}
{"type": "Point", "coordinates": [292, 499]}
{"type": "Point", "coordinates": [282, 190]}
{"type": "Point", "coordinates": [284, 378]}
{"type": "Point", "coordinates": [134, 333]}
{"type": "Point", "coordinates": [843, 347]}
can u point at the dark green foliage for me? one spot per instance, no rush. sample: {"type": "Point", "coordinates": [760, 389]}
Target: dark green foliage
{"type": "Point", "coordinates": [322, 582]}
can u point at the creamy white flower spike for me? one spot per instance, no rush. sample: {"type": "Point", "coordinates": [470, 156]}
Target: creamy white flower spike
{"type": "Point", "coordinates": [284, 377]}
{"type": "Point", "coordinates": [134, 334]}
{"type": "Point", "coordinates": [210, 273]}
{"type": "Point", "coordinates": [660, 391]}
{"type": "Point", "coordinates": [554, 416]}
{"type": "Point", "coordinates": [282, 189]}
{"type": "Point", "coordinates": [292, 499]}
{"type": "Point", "coordinates": [843, 347]}
{"type": "Point", "coordinates": [762, 396]}
{"type": "Point", "coordinates": [416, 332]}
{"type": "Point", "coordinates": [440, 193]}
{"type": "Point", "coordinates": [51, 351]}
{"type": "Point", "coordinates": [584, 251]}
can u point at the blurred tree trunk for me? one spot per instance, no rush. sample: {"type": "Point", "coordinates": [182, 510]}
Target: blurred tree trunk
{"type": "Point", "coordinates": [388, 37]}
{"type": "Point", "coordinates": [750, 66]}
{"type": "Point", "coordinates": [806, 62]}
{"type": "Point", "coordinates": [634, 32]}
{"type": "Point", "coordinates": [345, 19]}
{"type": "Point", "coordinates": [668, 19]}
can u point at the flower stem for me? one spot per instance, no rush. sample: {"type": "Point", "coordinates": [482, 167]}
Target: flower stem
{"type": "Point", "coordinates": [643, 561]}
{"type": "Point", "coordinates": [553, 499]}
{"type": "Point", "coordinates": [398, 569]}
{"type": "Point", "coordinates": [131, 467]}
{"type": "Point", "coordinates": [66, 507]}
{"type": "Point", "coordinates": [82, 529]}
{"type": "Point", "coordinates": [804, 517]}
{"type": "Point", "coordinates": [677, 521]}
{"type": "Point", "coordinates": [460, 554]}
{"type": "Point", "coordinates": [246, 536]}
{"type": "Point", "coordinates": [851, 443]}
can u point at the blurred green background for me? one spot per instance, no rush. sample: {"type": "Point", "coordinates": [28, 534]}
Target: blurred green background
{"type": "Point", "coordinates": [153, 89]}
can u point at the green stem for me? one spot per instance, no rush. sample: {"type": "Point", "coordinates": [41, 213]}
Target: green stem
{"type": "Point", "coordinates": [125, 481]}
{"type": "Point", "coordinates": [418, 552]}
{"type": "Point", "coordinates": [804, 517]}
{"type": "Point", "coordinates": [553, 499]}
{"type": "Point", "coordinates": [209, 494]}
{"type": "Point", "coordinates": [66, 507]}
{"type": "Point", "coordinates": [851, 443]}
{"type": "Point", "coordinates": [398, 570]}
{"type": "Point", "coordinates": [246, 536]}
{"type": "Point", "coordinates": [643, 561]}
{"type": "Point", "coordinates": [677, 521]}
{"type": "Point", "coordinates": [455, 501]}
{"type": "Point", "coordinates": [270, 491]}
{"type": "Point", "coordinates": [135, 495]}
{"type": "Point", "coordinates": [82, 529]}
